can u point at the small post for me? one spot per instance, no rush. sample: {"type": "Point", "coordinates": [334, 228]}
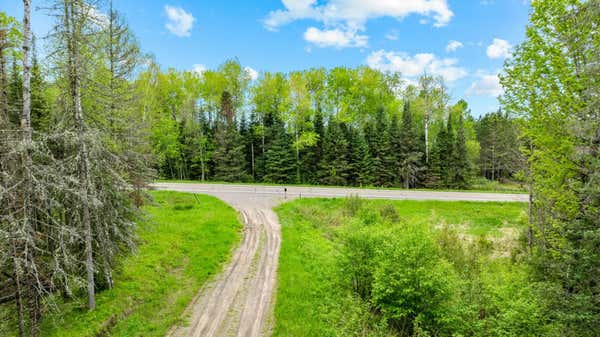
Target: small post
{"type": "Point", "coordinates": [285, 193]}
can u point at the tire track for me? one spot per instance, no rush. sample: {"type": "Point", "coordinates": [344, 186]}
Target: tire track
{"type": "Point", "coordinates": [237, 302]}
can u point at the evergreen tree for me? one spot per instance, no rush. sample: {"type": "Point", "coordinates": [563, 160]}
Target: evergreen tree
{"type": "Point", "coordinates": [15, 94]}
{"type": "Point", "coordinates": [461, 167]}
{"type": "Point", "coordinates": [434, 176]}
{"type": "Point", "coordinates": [441, 158]}
{"type": "Point", "coordinates": [229, 154]}
{"type": "Point", "coordinates": [379, 147]}
{"type": "Point", "coordinates": [446, 153]}
{"type": "Point", "coordinates": [352, 136]}
{"type": "Point", "coordinates": [40, 109]}
{"type": "Point", "coordinates": [280, 159]}
{"type": "Point", "coordinates": [395, 151]}
{"type": "Point", "coordinates": [253, 146]}
{"type": "Point", "coordinates": [197, 146]}
{"type": "Point", "coordinates": [362, 160]}
{"type": "Point", "coordinates": [499, 156]}
{"type": "Point", "coordinates": [410, 158]}
{"type": "Point", "coordinates": [334, 167]}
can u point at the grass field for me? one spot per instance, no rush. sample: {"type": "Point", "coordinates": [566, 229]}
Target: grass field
{"type": "Point", "coordinates": [310, 300]}
{"type": "Point", "coordinates": [184, 241]}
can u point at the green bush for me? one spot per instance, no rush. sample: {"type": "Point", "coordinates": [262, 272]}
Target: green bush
{"type": "Point", "coordinates": [389, 213]}
{"type": "Point", "coordinates": [358, 259]}
{"type": "Point", "coordinates": [413, 286]}
{"type": "Point", "coordinates": [352, 205]}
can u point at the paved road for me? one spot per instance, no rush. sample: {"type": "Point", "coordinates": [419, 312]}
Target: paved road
{"type": "Point", "coordinates": [274, 194]}
{"type": "Point", "coordinates": [239, 302]}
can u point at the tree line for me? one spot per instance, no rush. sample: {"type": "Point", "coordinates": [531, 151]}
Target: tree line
{"type": "Point", "coordinates": [343, 126]}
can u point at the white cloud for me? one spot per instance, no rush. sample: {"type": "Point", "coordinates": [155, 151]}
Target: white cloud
{"type": "Point", "coordinates": [179, 21]}
{"type": "Point", "coordinates": [393, 36]}
{"type": "Point", "coordinates": [499, 49]}
{"type": "Point", "coordinates": [486, 85]}
{"type": "Point", "coordinates": [453, 45]}
{"type": "Point", "coordinates": [335, 38]}
{"type": "Point", "coordinates": [414, 66]}
{"type": "Point", "coordinates": [343, 19]}
{"type": "Point", "coordinates": [355, 13]}
{"type": "Point", "coordinates": [199, 68]}
{"type": "Point", "coordinates": [252, 74]}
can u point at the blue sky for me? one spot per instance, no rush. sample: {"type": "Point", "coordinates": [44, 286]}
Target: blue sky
{"type": "Point", "coordinates": [466, 42]}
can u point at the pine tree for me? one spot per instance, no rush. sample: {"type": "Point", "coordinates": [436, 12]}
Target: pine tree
{"type": "Point", "coordinates": [334, 167]}
{"type": "Point", "coordinates": [15, 94]}
{"type": "Point", "coordinates": [434, 176]}
{"type": "Point", "coordinates": [229, 163]}
{"type": "Point", "coordinates": [410, 163]}
{"type": "Point", "coordinates": [461, 167]}
{"type": "Point", "coordinates": [379, 146]}
{"type": "Point", "coordinates": [445, 140]}
{"type": "Point", "coordinates": [354, 155]}
{"type": "Point", "coordinates": [395, 147]}
{"type": "Point", "coordinates": [40, 109]}
{"type": "Point", "coordinates": [362, 161]}
{"type": "Point", "coordinates": [253, 146]}
{"type": "Point", "coordinates": [280, 159]}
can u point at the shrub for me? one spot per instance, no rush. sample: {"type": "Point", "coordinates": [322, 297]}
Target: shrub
{"type": "Point", "coordinates": [389, 213]}
{"type": "Point", "coordinates": [357, 259]}
{"type": "Point", "coordinates": [413, 286]}
{"type": "Point", "coordinates": [352, 204]}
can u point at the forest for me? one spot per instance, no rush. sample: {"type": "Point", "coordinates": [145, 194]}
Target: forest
{"type": "Point", "coordinates": [87, 126]}
{"type": "Point", "coordinates": [343, 126]}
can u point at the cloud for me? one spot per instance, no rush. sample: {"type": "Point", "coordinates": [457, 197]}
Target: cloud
{"type": "Point", "coordinates": [499, 49]}
{"type": "Point", "coordinates": [486, 85]}
{"type": "Point", "coordinates": [353, 14]}
{"type": "Point", "coordinates": [414, 66]}
{"type": "Point", "coordinates": [335, 38]}
{"type": "Point", "coordinates": [252, 74]}
{"type": "Point", "coordinates": [453, 45]}
{"type": "Point", "coordinates": [199, 68]}
{"type": "Point", "coordinates": [393, 36]}
{"type": "Point", "coordinates": [356, 13]}
{"type": "Point", "coordinates": [179, 21]}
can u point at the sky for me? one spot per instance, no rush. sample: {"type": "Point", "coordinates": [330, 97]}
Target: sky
{"type": "Point", "coordinates": [466, 42]}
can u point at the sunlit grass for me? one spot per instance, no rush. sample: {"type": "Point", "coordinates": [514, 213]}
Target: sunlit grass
{"type": "Point", "coordinates": [185, 241]}
{"type": "Point", "coordinates": [309, 300]}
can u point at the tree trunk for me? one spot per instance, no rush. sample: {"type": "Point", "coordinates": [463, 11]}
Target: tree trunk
{"type": "Point", "coordinates": [74, 68]}
{"type": "Point", "coordinates": [26, 116]}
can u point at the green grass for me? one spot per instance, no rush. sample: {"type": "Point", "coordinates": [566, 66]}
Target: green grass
{"type": "Point", "coordinates": [480, 185]}
{"type": "Point", "coordinates": [184, 241]}
{"type": "Point", "coordinates": [310, 301]}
